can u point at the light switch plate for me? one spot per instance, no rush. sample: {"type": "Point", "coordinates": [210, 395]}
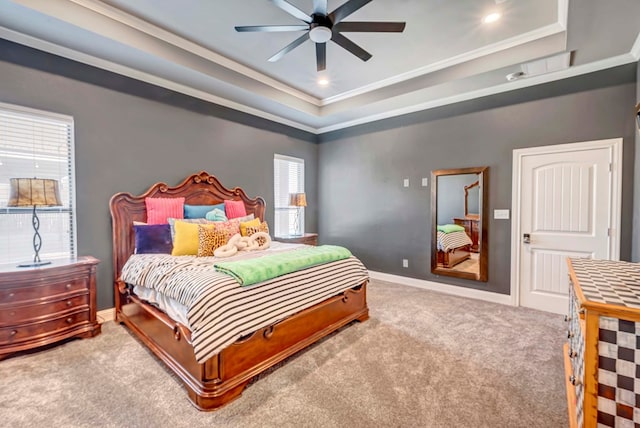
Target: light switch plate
{"type": "Point", "coordinates": [406, 182]}
{"type": "Point", "coordinates": [425, 182]}
{"type": "Point", "coordinates": [501, 214]}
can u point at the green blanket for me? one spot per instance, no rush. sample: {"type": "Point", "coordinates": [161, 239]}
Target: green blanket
{"type": "Point", "coordinates": [252, 271]}
{"type": "Point", "coordinates": [448, 228]}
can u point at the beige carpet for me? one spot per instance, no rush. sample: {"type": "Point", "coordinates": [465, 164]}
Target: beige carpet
{"type": "Point", "coordinates": [423, 359]}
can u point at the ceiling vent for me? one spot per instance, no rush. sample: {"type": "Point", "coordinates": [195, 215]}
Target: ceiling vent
{"type": "Point", "coordinates": [542, 66]}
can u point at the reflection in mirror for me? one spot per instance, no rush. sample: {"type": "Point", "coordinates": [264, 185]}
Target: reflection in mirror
{"type": "Point", "coordinates": [459, 232]}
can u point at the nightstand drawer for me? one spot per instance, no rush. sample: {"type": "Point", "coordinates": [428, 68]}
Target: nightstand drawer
{"type": "Point", "coordinates": [35, 330]}
{"type": "Point", "coordinates": [48, 309]}
{"type": "Point", "coordinates": [11, 296]}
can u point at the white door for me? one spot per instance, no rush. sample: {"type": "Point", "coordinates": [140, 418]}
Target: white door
{"type": "Point", "coordinates": [567, 209]}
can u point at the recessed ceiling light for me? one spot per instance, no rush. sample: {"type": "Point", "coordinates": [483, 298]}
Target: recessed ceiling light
{"type": "Point", "coordinates": [492, 17]}
{"type": "Point", "coordinates": [323, 81]}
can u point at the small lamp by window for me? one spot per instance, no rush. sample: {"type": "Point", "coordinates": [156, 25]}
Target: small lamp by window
{"type": "Point", "coordinates": [36, 192]}
{"type": "Point", "coordinates": [297, 200]}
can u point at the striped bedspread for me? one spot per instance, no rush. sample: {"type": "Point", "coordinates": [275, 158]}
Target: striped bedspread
{"type": "Point", "coordinates": [220, 310]}
{"type": "Point", "coordinates": [453, 240]}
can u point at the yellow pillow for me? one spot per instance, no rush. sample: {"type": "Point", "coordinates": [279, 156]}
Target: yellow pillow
{"type": "Point", "coordinates": [253, 223]}
{"type": "Point", "coordinates": [263, 227]}
{"type": "Point", "coordinates": [185, 241]}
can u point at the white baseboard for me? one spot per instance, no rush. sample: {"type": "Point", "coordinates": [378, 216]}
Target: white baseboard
{"type": "Point", "coordinates": [471, 293]}
{"type": "Point", "coordinates": [106, 315]}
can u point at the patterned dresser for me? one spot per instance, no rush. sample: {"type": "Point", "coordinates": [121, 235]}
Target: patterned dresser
{"type": "Point", "coordinates": [602, 356]}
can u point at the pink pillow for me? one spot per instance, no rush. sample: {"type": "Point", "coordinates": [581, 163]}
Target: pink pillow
{"type": "Point", "coordinates": [234, 209]}
{"type": "Point", "coordinates": [160, 209]}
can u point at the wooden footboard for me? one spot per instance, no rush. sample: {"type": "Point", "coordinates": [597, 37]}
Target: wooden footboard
{"type": "Point", "coordinates": [222, 378]}
{"type": "Point", "coordinates": [451, 258]}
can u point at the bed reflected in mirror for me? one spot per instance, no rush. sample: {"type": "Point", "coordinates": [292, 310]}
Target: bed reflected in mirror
{"type": "Point", "coordinates": [459, 223]}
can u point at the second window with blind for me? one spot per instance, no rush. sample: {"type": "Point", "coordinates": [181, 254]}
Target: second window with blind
{"type": "Point", "coordinates": [288, 180]}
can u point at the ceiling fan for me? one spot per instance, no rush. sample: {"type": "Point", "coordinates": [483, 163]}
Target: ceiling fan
{"type": "Point", "coordinates": [321, 26]}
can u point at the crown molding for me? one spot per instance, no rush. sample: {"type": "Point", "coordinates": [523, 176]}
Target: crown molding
{"type": "Point", "coordinates": [497, 89]}
{"type": "Point", "coordinates": [138, 24]}
{"type": "Point", "coordinates": [635, 49]}
{"type": "Point", "coordinates": [74, 55]}
{"type": "Point", "coordinates": [536, 34]}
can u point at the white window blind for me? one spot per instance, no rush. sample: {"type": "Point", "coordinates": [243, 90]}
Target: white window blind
{"type": "Point", "coordinates": [37, 144]}
{"type": "Point", "coordinates": [288, 177]}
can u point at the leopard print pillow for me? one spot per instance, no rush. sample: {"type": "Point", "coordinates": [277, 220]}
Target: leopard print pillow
{"type": "Point", "coordinates": [209, 239]}
{"type": "Point", "coordinates": [264, 227]}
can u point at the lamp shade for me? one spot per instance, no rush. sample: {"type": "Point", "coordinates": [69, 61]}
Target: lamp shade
{"type": "Point", "coordinates": [28, 192]}
{"type": "Point", "coordinates": [297, 199]}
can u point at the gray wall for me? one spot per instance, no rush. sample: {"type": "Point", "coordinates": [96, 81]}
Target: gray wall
{"type": "Point", "coordinates": [362, 168]}
{"type": "Point", "coordinates": [126, 143]}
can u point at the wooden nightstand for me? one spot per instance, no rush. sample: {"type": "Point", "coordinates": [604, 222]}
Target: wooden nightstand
{"type": "Point", "coordinates": [41, 306]}
{"type": "Point", "coordinates": [307, 238]}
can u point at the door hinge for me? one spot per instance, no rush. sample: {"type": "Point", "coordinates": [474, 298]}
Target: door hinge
{"type": "Point", "coordinates": [611, 167]}
{"type": "Point", "coordinates": [609, 232]}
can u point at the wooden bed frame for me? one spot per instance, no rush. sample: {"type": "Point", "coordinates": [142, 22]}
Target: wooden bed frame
{"type": "Point", "coordinates": [451, 258]}
{"type": "Point", "coordinates": [222, 378]}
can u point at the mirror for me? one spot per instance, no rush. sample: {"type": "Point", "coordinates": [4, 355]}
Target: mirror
{"type": "Point", "coordinates": [459, 207]}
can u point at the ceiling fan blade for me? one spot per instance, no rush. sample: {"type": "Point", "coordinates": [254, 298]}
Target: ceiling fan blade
{"type": "Point", "coordinates": [321, 56]}
{"type": "Point", "coordinates": [292, 10]}
{"type": "Point", "coordinates": [320, 7]}
{"type": "Point", "coordinates": [291, 46]}
{"type": "Point", "coordinates": [371, 27]}
{"type": "Point", "coordinates": [350, 46]}
{"type": "Point", "coordinates": [271, 28]}
{"type": "Point", "coordinates": [346, 9]}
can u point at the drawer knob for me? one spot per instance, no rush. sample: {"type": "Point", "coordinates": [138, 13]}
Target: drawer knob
{"type": "Point", "coordinates": [69, 320]}
{"type": "Point", "coordinates": [13, 332]}
{"type": "Point", "coordinates": [569, 334]}
{"type": "Point", "coordinates": [12, 314]}
{"type": "Point", "coordinates": [12, 294]}
{"type": "Point", "coordinates": [68, 286]}
{"type": "Point", "coordinates": [69, 303]}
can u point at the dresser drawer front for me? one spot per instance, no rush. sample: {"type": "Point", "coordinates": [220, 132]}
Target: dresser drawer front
{"type": "Point", "coordinates": [48, 309]}
{"type": "Point", "coordinates": [12, 296]}
{"type": "Point", "coordinates": [35, 330]}
{"type": "Point", "coordinates": [576, 353]}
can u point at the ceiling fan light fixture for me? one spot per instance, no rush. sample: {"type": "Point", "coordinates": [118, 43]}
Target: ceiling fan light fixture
{"type": "Point", "coordinates": [320, 34]}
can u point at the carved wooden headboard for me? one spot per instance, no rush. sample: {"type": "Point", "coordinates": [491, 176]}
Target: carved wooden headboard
{"type": "Point", "coordinates": [198, 189]}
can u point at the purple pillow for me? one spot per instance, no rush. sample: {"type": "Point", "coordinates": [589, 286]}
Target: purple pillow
{"type": "Point", "coordinates": [153, 239]}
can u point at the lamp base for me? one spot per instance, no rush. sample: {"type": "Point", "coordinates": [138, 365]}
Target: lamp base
{"type": "Point", "coordinates": [34, 264]}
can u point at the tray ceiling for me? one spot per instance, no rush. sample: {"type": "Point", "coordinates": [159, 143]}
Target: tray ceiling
{"type": "Point", "coordinates": [446, 53]}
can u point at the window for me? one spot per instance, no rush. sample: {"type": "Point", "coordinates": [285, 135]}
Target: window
{"type": "Point", "coordinates": [38, 144]}
{"type": "Point", "coordinates": [288, 177]}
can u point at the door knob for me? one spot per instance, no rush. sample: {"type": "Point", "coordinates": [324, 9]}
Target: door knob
{"type": "Point", "coordinates": [526, 238]}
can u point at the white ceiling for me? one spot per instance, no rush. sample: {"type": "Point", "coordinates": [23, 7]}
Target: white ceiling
{"type": "Point", "coordinates": [446, 54]}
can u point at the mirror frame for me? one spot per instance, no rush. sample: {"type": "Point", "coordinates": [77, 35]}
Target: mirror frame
{"type": "Point", "coordinates": [483, 221]}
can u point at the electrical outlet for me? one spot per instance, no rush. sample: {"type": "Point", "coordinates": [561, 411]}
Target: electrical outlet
{"type": "Point", "coordinates": [425, 182]}
{"type": "Point", "coordinates": [406, 182]}
{"type": "Point", "coordinates": [405, 263]}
